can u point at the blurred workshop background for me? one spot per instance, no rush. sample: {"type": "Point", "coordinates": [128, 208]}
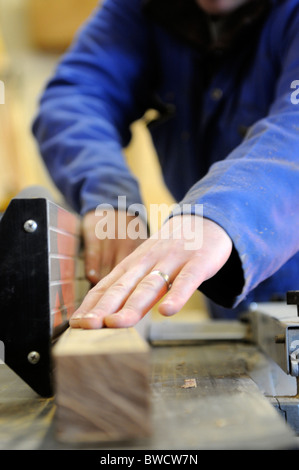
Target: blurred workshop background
{"type": "Point", "coordinates": [33, 35]}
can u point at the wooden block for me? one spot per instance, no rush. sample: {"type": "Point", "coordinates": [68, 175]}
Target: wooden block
{"type": "Point", "coordinates": [102, 385]}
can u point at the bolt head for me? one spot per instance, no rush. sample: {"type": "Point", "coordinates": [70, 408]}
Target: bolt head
{"type": "Point", "coordinates": [30, 226]}
{"type": "Point", "coordinates": [33, 357]}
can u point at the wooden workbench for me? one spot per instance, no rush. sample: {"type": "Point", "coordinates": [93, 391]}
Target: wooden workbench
{"type": "Point", "coordinates": [202, 399]}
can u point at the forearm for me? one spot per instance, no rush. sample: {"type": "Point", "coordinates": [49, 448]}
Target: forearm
{"type": "Point", "coordinates": [99, 87]}
{"type": "Point", "coordinates": [253, 195]}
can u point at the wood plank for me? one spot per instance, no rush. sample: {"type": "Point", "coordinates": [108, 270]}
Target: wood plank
{"type": "Point", "coordinates": [102, 385]}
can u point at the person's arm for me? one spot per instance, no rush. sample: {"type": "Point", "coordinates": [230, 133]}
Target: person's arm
{"type": "Point", "coordinates": [100, 86]}
{"type": "Point", "coordinates": [250, 227]}
{"type": "Point", "coordinates": [254, 193]}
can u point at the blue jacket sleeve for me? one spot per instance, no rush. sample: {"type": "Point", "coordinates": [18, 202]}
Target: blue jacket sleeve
{"type": "Point", "coordinates": [98, 89]}
{"type": "Point", "coordinates": [254, 193]}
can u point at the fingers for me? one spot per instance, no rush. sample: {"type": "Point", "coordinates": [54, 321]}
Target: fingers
{"type": "Point", "coordinates": [183, 287]}
{"type": "Point", "coordinates": [123, 297]}
{"type": "Point", "coordinates": [92, 261]}
{"type": "Point", "coordinates": [123, 304]}
{"type": "Point", "coordinates": [146, 294]}
{"type": "Point", "coordinates": [92, 298]}
{"type": "Point", "coordinates": [100, 254]}
{"type": "Point", "coordinates": [103, 254]}
{"type": "Point", "coordinates": [106, 298]}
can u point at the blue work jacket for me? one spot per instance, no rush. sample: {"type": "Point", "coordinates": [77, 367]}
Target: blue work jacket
{"type": "Point", "coordinates": [230, 145]}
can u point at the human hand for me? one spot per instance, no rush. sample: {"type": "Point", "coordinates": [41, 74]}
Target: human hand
{"type": "Point", "coordinates": [101, 255]}
{"type": "Point", "coordinates": [131, 289]}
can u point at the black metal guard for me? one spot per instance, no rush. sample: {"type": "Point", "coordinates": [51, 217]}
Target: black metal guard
{"type": "Point", "coordinates": [40, 285]}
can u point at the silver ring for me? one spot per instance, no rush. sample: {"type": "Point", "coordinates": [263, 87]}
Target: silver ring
{"type": "Point", "coordinates": [165, 278]}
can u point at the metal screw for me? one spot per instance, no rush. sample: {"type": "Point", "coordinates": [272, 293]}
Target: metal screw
{"type": "Point", "coordinates": [30, 226]}
{"type": "Point", "coordinates": [33, 357]}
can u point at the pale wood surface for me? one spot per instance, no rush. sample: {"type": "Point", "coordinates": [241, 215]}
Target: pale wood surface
{"type": "Point", "coordinates": [102, 385]}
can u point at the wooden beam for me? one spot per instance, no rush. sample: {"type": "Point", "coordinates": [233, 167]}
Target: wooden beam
{"type": "Point", "coordinates": [102, 385]}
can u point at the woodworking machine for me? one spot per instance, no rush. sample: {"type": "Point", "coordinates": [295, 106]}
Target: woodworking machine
{"type": "Point", "coordinates": [43, 281]}
{"type": "Point", "coordinates": [273, 327]}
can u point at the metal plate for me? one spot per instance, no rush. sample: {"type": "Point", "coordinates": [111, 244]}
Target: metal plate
{"type": "Point", "coordinates": [41, 284]}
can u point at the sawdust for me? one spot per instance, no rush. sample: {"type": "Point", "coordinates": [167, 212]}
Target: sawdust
{"type": "Point", "coordinates": [189, 383]}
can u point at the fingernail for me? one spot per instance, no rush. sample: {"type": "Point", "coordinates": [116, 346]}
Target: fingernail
{"type": "Point", "coordinates": [76, 316]}
{"type": "Point", "coordinates": [90, 315]}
